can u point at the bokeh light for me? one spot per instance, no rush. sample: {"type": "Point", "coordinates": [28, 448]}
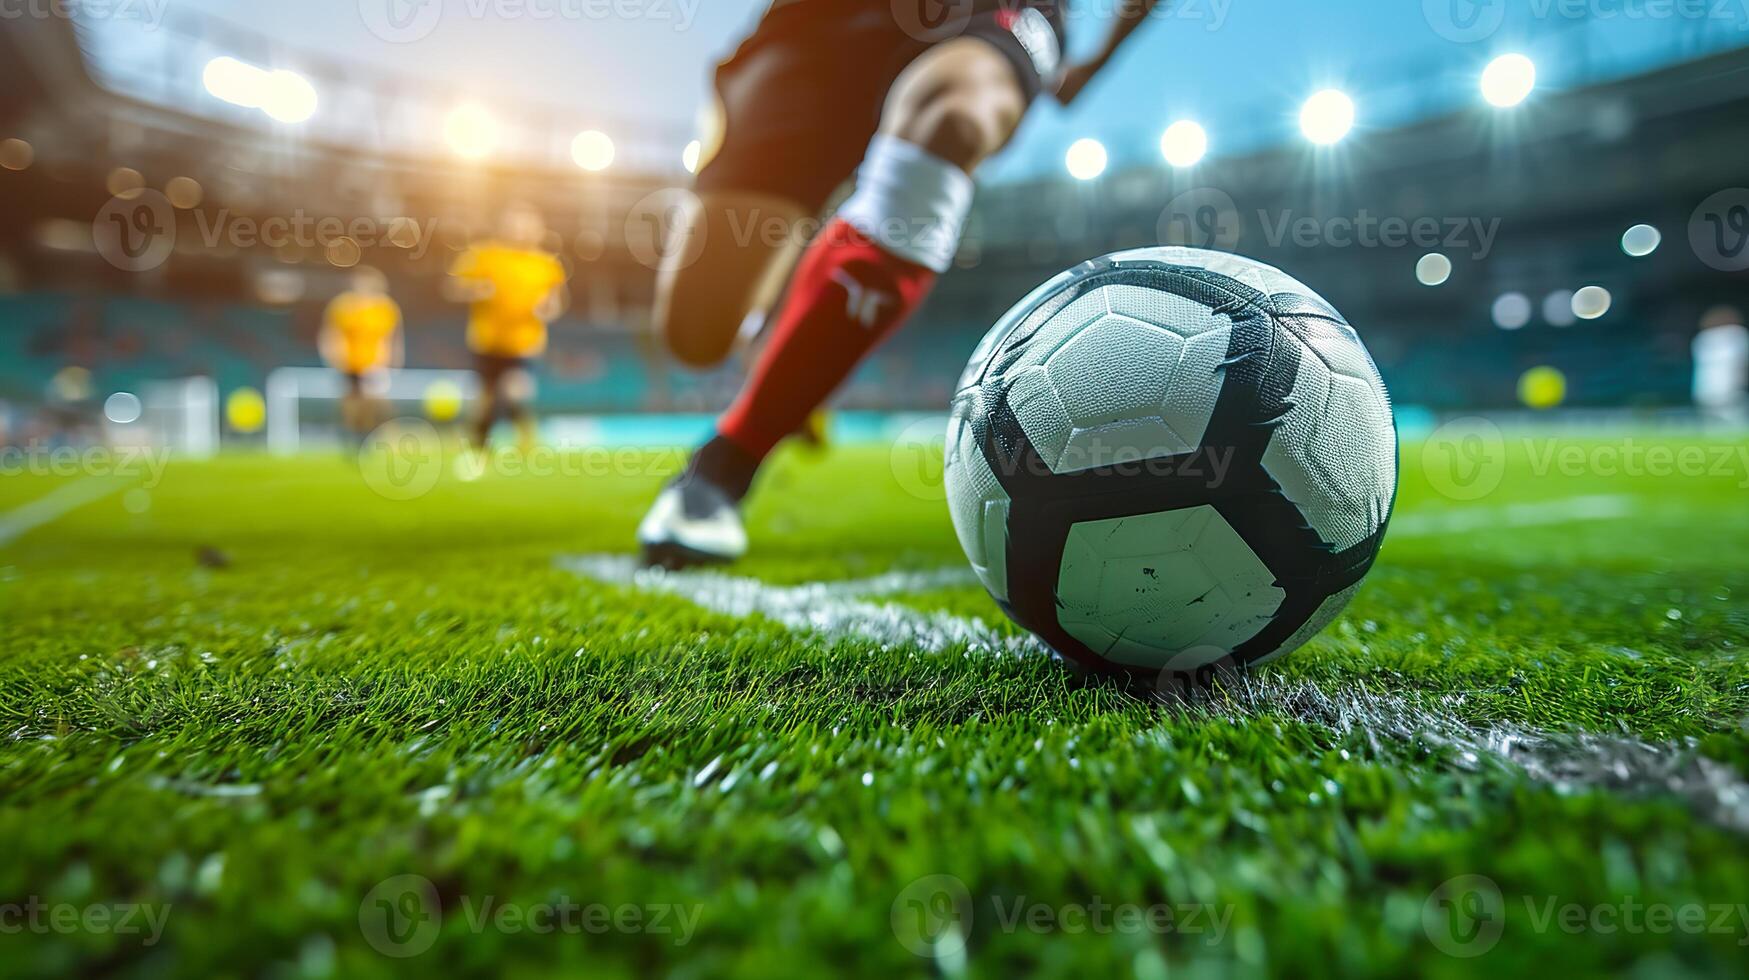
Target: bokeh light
{"type": "Point", "coordinates": [1591, 302]}
{"type": "Point", "coordinates": [1542, 388]}
{"type": "Point", "coordinates": [1511, 311]}
{"type": "Point", "coordinates": [1558, 308]}
{"type": "Point", "coordinates": [1508, 80]}
{"type": "Point", "coordinates": [122, 408]}
{"type": "Point", "coordinates": [125, 183]}
{"type": "Point", "coordinates": [246, 410]}
{"type": "Point", "coordinates": [1433, 269]}
{"type": "Point", "coordinates": [16, 154]}
{"type": "Point", "coordinates": [592, 150]}
{"type": "Point", "coordinates": [1641, 241]}
{"type": "Point", "coordinates": [1086, 159]}
{"type": "Point", "coordinates": [184, 192]}
{"type": "Point", "coordinates": [471, 131]}
{"type": "Point", "coordinates": [1327, 117]}
{"type": "Point", "coordinates": [1184, 143]}
{"type": "Point", "coordinates": [443, 401]}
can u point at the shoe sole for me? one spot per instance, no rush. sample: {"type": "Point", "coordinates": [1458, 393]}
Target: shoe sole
{"type": "Point", "coordinates": [676, 557]}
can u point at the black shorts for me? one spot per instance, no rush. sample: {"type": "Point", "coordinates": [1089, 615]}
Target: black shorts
{"type": "Point", "coordinates": [493, 367]}
{"type": "Point", "coordinates": [802, 96]}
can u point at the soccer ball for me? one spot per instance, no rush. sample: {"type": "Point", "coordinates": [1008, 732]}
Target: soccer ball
{"type": "Point", "coordinates": [1167, 457]}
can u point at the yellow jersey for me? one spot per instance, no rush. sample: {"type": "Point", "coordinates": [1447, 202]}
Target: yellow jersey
{"type": "Point", "coordinates": [366, 326]}
{"type": "Point", "coordinates": [506, 321]}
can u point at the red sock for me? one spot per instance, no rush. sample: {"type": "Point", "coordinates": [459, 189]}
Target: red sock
{"type": "Point", "coordinates": [847, 295]}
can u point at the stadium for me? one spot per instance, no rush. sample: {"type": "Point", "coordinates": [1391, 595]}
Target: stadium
{"type": "Point", "coordinates": [386, 587]}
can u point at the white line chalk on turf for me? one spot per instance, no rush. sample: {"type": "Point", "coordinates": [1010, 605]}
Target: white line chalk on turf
{"type": "Point", "coordinates": [1541, 513]}
{"type": "Point", "coordinates": [54, 505]}
{"type": "Point", "coordinates": [827, 609]}
{"type": "Point", "coordinates": [1391, 723]}
{"type": "Point", "coordinates": [1569, 761]}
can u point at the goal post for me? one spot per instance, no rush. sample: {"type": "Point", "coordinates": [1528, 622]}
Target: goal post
{"type": "Point", "coordinates": [182, 415]}
{"type": "Point", "coordinates": [289, 388]}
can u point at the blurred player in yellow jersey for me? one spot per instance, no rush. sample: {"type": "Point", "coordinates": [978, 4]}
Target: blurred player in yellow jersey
{"type": "Point", "coordinates": [361, 338]}
{"type": "Point", "coordinates": [515, 288]}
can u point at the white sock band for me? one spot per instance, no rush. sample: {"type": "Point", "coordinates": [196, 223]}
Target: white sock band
{"type": "Point", "coordinates": [910, 201]}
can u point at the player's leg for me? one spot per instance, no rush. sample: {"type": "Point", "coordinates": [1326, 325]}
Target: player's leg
{"type": "Point", "coordinates": [352, 407]}
{"type": "Point", "coordinates": [516, 392]}
{"type": "Point", "coordinates": [876, 261]}
{"type": "Point", "coordinates": [491, 372]}
{"type": "Point", "coordinates": [871, 266]}
{"type": "Point", "coordinates": [768, 165]}
{"type": "Point", "coordinates": [729, 258]}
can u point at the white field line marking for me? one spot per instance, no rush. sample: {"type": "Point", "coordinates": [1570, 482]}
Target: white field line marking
{"type": "Point", "coordinates": [1461, 520]}
{"type": "Point", "coordinates": [1569, 761]}
{"type": "Point", "coordinates": [54, 505]}
{"type": "Point", "coordinates": [1388, 721]}
{"type": "Point", "coordinates": [830, 610]}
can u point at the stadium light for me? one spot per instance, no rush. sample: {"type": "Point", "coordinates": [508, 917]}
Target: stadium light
{"type": "Point", "coordinates": [471, 131]}
{"type": "Point", "coordinates": [284, 95]}
{"type": "Point", "coordinates": [1327, 117]}
{"type": "Point", "coordinates": [1433, 269]}
{"type": "Point", "coordinates": [290, 98]}
{"type": "Point", "coordinates": [592, 150]}
{"type": "Point", "coordinates": [1511, 311]}
{"type": "Point", "coordinates": [1086, 159]}
{"type": "Point", "coordinates": [1591, 302]}
{"type": "Point", "coordinates": [1508, 80]}
{"type": "Point", "coordinates": [1184, 143]}
{"type": "Point", "coordinates": [236, 82]}
{"type": "Point", "coordinates": [1641, 241]}
{"type": "Point", "coordinates": [689, 156]}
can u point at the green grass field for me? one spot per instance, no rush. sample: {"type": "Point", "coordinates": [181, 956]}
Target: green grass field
{"type": "Point", "coordinates": [1541, 693]}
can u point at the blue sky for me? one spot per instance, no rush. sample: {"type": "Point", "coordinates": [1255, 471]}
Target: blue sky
{"type": "Point", "coordinates": [1241, 67]}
